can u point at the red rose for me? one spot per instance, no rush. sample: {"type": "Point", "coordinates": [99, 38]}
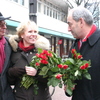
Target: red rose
{"type": "Point", "coordinates": [40, 55]}
{"type": "Point", "coordinates": [79, 56]}
{"type": "Point", "coordinates": [45, 52]}
{"type": "Point", "coordinates": [37, 64]}
{"type": "Point", "coordinates": [44, 57]}
{"type": "Point", "coordinates": [86, 65]}
{"type": "Point", "coordinates": [58, 76]}
{"type": "Point", "coordinates": [44, 61]}
{"type": "Point", "coordinates": [65, 66]}
{"type": "Point", "coordinates": [73, 51]}
{"type": "Point", "coordinates": [37, 55]}
{"type": "Point", "coordinates": [50, 55]}
{"type": "Point", "coordinates": [82, 67]}
{"type": "Point", "coordinates": [60, 66]}
{"type": "Point", "coordinates": [75, 56]}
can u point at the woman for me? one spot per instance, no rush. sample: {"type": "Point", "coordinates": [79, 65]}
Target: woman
{"type": "Point", "coordinates": [24, 48]}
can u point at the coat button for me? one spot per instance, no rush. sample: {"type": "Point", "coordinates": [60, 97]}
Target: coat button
{"type": "Point", "coordinates": [15, 91]}
{"type": "Point", "coordinates": [30, 52]}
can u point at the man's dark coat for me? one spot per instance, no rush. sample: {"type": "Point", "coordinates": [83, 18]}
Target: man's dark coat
{"type": "Point", "coordinates": [89, 89]}
{"type": "Point", "coordinates": [5, 89]}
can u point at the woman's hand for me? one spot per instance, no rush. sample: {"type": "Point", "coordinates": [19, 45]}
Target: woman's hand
{"type": "Point", "coordinates": [30, 71]}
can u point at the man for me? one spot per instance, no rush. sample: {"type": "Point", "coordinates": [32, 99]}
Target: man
{"type": "Point", "coordinates": [5, 51]}
{"type": "Point", "coordinates": [80, 24]}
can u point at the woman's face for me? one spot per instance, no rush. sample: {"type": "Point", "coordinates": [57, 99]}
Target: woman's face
{"type": "Point", "coordinates": [30, 35]}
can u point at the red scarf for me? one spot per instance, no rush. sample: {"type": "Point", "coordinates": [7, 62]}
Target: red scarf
{"type": "Point", "coordinates": [2, 53]}
{"type": "Point", "coordinates": [21, 45]}
{"type": "Point", "coordinates": [85, 39]}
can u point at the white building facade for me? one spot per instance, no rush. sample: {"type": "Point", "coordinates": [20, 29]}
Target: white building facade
{"type": "Point", "coordinates": [50, 16]}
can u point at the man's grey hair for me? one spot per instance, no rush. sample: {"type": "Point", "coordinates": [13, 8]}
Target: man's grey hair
{"type": "Point", "coordinates": [81, 12]}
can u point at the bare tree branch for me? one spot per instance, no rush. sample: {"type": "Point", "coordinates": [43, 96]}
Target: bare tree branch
{"type": "Point", "coordinates": [92, 5]}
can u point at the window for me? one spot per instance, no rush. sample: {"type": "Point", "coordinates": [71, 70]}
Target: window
{"type": "Point", "coordinates": [59, 16]}
{"type": "Point", "coordinates": [39, 7]}
{"type": "Point", "coordinates": [22, 2]}
{"type": "Point", "coordinates": [48, 11]}
{"type": "Point", "coordinates": [54, 14]}
{"type": "Point", "coordinates": [15, 0]}
{"type": "Point", "coordinates": [51, 10]}
{"type": "Point", "coordinates": [45, 9]}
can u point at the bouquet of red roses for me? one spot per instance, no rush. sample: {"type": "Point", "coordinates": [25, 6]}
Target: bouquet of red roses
{"type": "Point", "coordinates": [46, 62]}
{"type": "Point", "coordinates": [72, 69]}
{"type": "Point", "coordinates": [57, 71]}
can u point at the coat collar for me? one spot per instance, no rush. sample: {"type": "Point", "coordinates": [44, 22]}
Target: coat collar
{"type": "Point", "coordinates": [94, 37]}
{"type": "Point", "coordinates": [41, 42]}
{"type": "Point", "coordinates": [91, 40]}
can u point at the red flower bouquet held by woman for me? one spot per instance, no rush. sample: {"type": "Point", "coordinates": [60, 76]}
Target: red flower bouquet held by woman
{"type": "Point", "coordinates": [46, 63]}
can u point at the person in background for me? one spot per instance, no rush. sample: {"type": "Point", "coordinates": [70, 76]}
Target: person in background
{"type": "Point", "coordinates": [24, 48]}
{"type": "Point", "coordinates": [5, 52]}
{"type": "Point", "coordinates": [80, 24]}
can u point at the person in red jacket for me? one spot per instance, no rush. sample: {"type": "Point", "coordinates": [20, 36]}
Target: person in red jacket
{"type": "Point", "coordinates": [80, 24]}
{"type": "Point", "coordinates": [5, 52]}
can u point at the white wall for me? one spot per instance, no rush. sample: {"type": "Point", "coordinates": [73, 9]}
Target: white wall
{"type": "Point", "coordinates": [51, 23]}
{"type": "Point", "coordinates": [15, 10]}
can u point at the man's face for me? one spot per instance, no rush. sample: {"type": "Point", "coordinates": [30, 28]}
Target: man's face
{"type": "Point", "coordinates": [73, 26]}
{"type": "Point", "coordinates": [2, 28]}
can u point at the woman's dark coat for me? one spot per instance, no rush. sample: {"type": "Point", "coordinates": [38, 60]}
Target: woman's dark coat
{"type": "Point", "coordinates": [5, 89]}
{"type": "Point", "coordinates": [89, 89]}
{"type": "Point", "coordinates": [19, 60]}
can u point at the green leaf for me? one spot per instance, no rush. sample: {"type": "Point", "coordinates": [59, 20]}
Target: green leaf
{"type": "Point", "coordinates": [55, 60]}
{"type": "Point", "coordinates": [69, 91]}
{"type": "Point", "coordinates": [69, 85]}
{"type": "Point", "coordinates": [55, 69]}
{"type": "Point", "coordinates": [60, 85]}
{"type": "Point", "coordinates": [50, 60]}
{"type": "Point", "coordinates": [79, 73]}
{"type": "Point", "coordinates": [53, 82]}
{"type": "Point", "coordinates": [80, 63]}
{"type": "Point", "coordinates": [87, 75]}
{"type": "Point", "coordinates": [44, 71]}
{"type": "Point", "coordinates": [69, 61]}
{"type": "Point", "coordinates": [55, 55]}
